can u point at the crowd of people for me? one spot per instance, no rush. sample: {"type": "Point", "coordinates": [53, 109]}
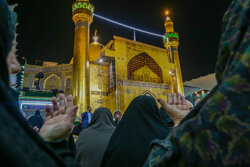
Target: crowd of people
{"type": "Point", "coordinates": [215, 133]}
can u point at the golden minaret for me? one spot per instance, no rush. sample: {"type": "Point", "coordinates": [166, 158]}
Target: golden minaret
{"type": "Point", "coordinates": [82, 16]}
{"type": "Point", "coordinates": [171, 43]}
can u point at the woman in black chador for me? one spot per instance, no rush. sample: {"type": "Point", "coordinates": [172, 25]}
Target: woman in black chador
{"type": "Point", "coordinates": [93, 140]}
{"type": "Point", "coordinates": [129, 145]}
{"type": "Point", "coordinates": [36, 120]}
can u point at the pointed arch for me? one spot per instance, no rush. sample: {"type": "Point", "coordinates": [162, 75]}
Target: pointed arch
{"type": "Point", "coordinates": [148, 93]}
{"type": "Point", "coordinates": [53, 82]}
{"type": "Point", "coordinates": [144, 60]}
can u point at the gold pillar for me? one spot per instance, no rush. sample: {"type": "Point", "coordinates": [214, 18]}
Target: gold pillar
{"type": "Point", "coordinates": [178, 72]}
{"type": "Point", "coordinates": [171, 43]}
{"type": "Point", "coordinates": [82, 17]}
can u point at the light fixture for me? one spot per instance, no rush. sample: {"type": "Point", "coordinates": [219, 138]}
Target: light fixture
{"type": "Point", "coordinates": [100, 60]}
{"type": "Point", "coordinates": [167, 12]}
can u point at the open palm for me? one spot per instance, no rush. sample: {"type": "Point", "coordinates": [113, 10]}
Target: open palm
{"type": "Point", "coordinates": [58, 124]}
{"type": "Point", "coordinates": [176, 107]}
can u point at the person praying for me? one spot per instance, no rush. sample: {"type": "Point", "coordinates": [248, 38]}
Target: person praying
{"type": "Point", "coordinates": [140, 124]}
{"type": "Point", "coordinates": [217, 131]}
{"type": "Point", "coordinates": [93, 140]}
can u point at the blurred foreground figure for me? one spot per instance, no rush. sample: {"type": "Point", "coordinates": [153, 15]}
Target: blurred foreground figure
{"type": "Point", "coordinates": [217, 131]}
{"type": "Point", "coordinates": [93, 140]}
{"type": "Point", "coordinates": [20, 145]}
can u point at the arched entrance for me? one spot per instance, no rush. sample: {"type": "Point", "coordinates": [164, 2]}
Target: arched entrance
{"type": "Point", "coordinates": [144, 68]}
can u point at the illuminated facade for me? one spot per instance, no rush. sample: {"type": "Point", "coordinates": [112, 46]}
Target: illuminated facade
{"type": "Point", "coordinates": [113, 75]}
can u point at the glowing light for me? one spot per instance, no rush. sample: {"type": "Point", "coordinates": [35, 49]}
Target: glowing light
{"type": "Point", "coordinates": [167, 12]}
{"type": "Point", "coordinates": [171, 35]}
{"type": "Point", "coordinates": [100, 60]}
{"type": "Point", "coordinates": [95, 39]}
{"type": "Point", "coordinates": [83, 5]}
{"type": "Point", "coordinates": [127, 26]}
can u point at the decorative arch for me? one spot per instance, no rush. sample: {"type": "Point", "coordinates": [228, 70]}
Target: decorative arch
{"type": "Point", "coordinates": [144, 60]}
{"type": "Point", "coordinates": [148, 93]}
{"type": "Point", "coordinates": [53, 82]}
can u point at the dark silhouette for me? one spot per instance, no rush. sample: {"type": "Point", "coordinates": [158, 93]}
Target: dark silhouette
{"type": "Point", "coordinates": [40, 76]}
{"type": "Point", "coordinates": [36, 120]}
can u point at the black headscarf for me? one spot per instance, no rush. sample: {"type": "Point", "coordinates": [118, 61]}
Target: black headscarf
{"type": "Point", "coordinates": [93, 140]}
{"type": "Point", "coordinates": [36, 120]}
{"type": "Point", "coordinates": [19, 144]}
{"type": "Point", "coordinates": [129, 145]}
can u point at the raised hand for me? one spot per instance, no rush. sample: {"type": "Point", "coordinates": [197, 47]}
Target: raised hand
{"type": "Point", "coordinates": [58, 124]}
{"type": "Point", "coordinates": [176, 107]}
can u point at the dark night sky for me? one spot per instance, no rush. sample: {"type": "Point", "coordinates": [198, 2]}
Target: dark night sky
{"type": "Point", "coordinates": [46, 30]}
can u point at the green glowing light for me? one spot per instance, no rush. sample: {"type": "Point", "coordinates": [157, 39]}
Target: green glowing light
{"type": "Point", "coordinates": [83, 5]}
{"type": "Point", "coordinates": [171, 35]}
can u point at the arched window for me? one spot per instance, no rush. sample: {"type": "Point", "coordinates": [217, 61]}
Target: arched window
{"type": "Point", "coordinates": [144, 68]}
{"type": "Point", "coordinates": [53, 82]}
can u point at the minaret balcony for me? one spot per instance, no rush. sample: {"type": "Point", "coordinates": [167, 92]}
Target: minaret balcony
{"type": "Point", "coordinates": [79, 5]}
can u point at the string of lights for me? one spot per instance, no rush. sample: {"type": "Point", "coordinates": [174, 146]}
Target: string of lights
{"type": "Point", "coordinates": [127, 26]}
